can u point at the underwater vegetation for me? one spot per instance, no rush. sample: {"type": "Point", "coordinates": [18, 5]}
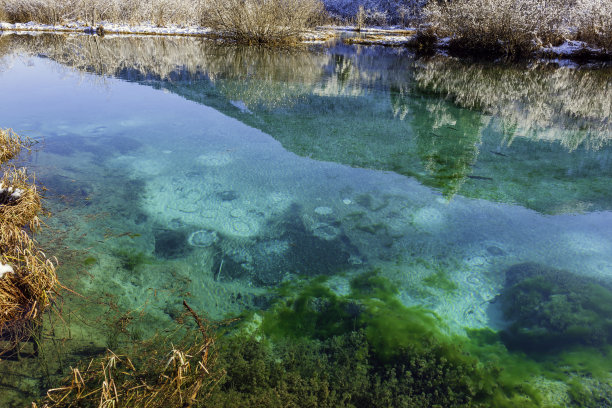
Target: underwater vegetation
{"type": "Point", "coordinates": [372, 350]}
{"type": "Point", "coordinates": [314, 348]}
{"type": "Point", "coordinates": [129, 259]}
{"type": "Point", "coordinates": [555, 309]}
{"type": "Point", "coordinates": [164, 371]}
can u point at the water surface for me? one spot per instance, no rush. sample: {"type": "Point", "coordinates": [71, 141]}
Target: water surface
{"type": "Point", "coordinates": [178, 168]}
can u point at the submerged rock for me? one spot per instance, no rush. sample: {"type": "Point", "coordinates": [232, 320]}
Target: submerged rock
{"type": "Point", "coordinates": [170, 244]}
{"type": "Point", "coordinates": [203, 238]}
{"type": "Point", "coordinates": [552, 309]}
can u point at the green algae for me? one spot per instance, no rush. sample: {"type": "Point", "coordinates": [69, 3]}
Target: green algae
{"type": "Point", "coordinates": [440, 280]}
{"type": "Point", "coordinates": [410, 341]}
{"type": "Point", "coordinates": [89, 261]}
{"type": "Point", "coordinates": [555, 309]}
{"type": "Point", "coordinates": [131, 259]}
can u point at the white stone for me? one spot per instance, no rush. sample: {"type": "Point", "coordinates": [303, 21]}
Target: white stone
{"type": "Point", "coordinates": [323, 210]}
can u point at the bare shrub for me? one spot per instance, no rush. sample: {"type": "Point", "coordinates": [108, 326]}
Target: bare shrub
{"type": "Point", "coordinates": [593, 20]}
{"type": "Point", "coordinates": [160, 12]}
{"type": "Point", "coordinates": [261, 21]}
{"type": "Point", "coordinates": [506, 26]}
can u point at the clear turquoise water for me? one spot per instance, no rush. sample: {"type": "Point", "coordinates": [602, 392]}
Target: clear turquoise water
{"type": "Point", "coordinates": [217, 173]}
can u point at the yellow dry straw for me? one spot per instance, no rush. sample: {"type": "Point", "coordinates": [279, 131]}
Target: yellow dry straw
{"type": "Point", "coordinates": [11, 144]}
{"type": "Point", "coordinates": [160, 375]}
{"type": "Point", "coordinates": [27, 276]}
{"type": "Point", "coordinates": [20, 206]}
{"type": "Point", "coordinates": [26, 287]}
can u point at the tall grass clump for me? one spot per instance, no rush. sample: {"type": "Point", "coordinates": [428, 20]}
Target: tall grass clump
{"type": "Point", "coordinates": [27, 276]}
{"type": "Point", "coordinates": [262, 21]}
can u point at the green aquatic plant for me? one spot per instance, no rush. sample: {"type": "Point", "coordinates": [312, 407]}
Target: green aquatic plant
{"type": "Point", "coordinates": [555, 309]}
{"type": "Point", "coordinates": [131, 259]}
{"type": "Point", "coordinates": [410, 359]}
{"type": "Point", "coordinates": [89, 261]}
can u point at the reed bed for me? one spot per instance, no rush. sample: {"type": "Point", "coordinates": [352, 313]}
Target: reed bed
{"type": "Point", "coordinates": [160, 373]}
{"type": "Point", "coordinates": [27, 276]}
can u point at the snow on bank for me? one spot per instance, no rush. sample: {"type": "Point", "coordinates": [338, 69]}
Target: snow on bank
{"type": "Point", "coordinates": [108, 28]}
{"type": "Point", "coordinates": [311, 36]}
{"type": "Point", "coordinates": [569, 48]}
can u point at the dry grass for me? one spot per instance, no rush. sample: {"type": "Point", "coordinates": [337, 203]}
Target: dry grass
{"type": "Point", "coordinates": [19, 211]}
{"type": "Point", "coordinates": [158, 12]}
{"type": "Point", "coordinates": [26, 291]}
{"type": "Point", "coordinates": [28, 278]}
{"type": "Point", "coordinates": [593, 19]}
{"type": "Point", "coordinates": [11, 144]}
{"type": "Point", "coordinates": [252, 21]}
{"type": "Point", "coordinates": [517, 27]}
{"type": "Point", "coordinates": [179, 377]}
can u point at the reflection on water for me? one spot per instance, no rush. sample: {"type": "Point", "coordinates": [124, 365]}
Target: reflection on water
{"type": "Point", "coordinates": [571, 106]}
{"type": "Point", "coordinates": [535, 113]}
{"type": "Point", "coordinates": [257, 168]}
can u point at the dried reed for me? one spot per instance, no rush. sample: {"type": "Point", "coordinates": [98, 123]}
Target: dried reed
{"type": "Point", "coordinates": [11, 144]}
{"type": "Point", "coordinates": [26, 289]}
{"type": "Point", "coordinates": [181, 376]}
{"type": "Point", "coordinates": [27, 277]}
{"type": "Point", "coordinates": [20, 205]}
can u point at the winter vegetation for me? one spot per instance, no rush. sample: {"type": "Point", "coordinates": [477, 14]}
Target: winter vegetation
{"type": "Point", "coordinates": [27, 276]}
{"type": "Point", "coordinates": [248, 21]}
{"type": "Point", "coordinates": [511, 27]}
{"type": "Point", "coordinates": [520, 26]}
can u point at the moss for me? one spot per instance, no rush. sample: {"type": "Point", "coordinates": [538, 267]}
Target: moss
{"type": "Point", "coordinates": [315, 313]}
{"type": "Point", "coordinates": [553, 309]}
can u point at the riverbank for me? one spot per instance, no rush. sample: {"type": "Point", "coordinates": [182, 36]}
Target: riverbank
{"type": "Point", "coordinates": [391, 36]}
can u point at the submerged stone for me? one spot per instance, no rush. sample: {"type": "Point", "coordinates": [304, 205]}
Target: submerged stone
{"type": "Point", "coordinates": [170, 244]}
{"type": "Point", "coordinates": [203, 238]}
